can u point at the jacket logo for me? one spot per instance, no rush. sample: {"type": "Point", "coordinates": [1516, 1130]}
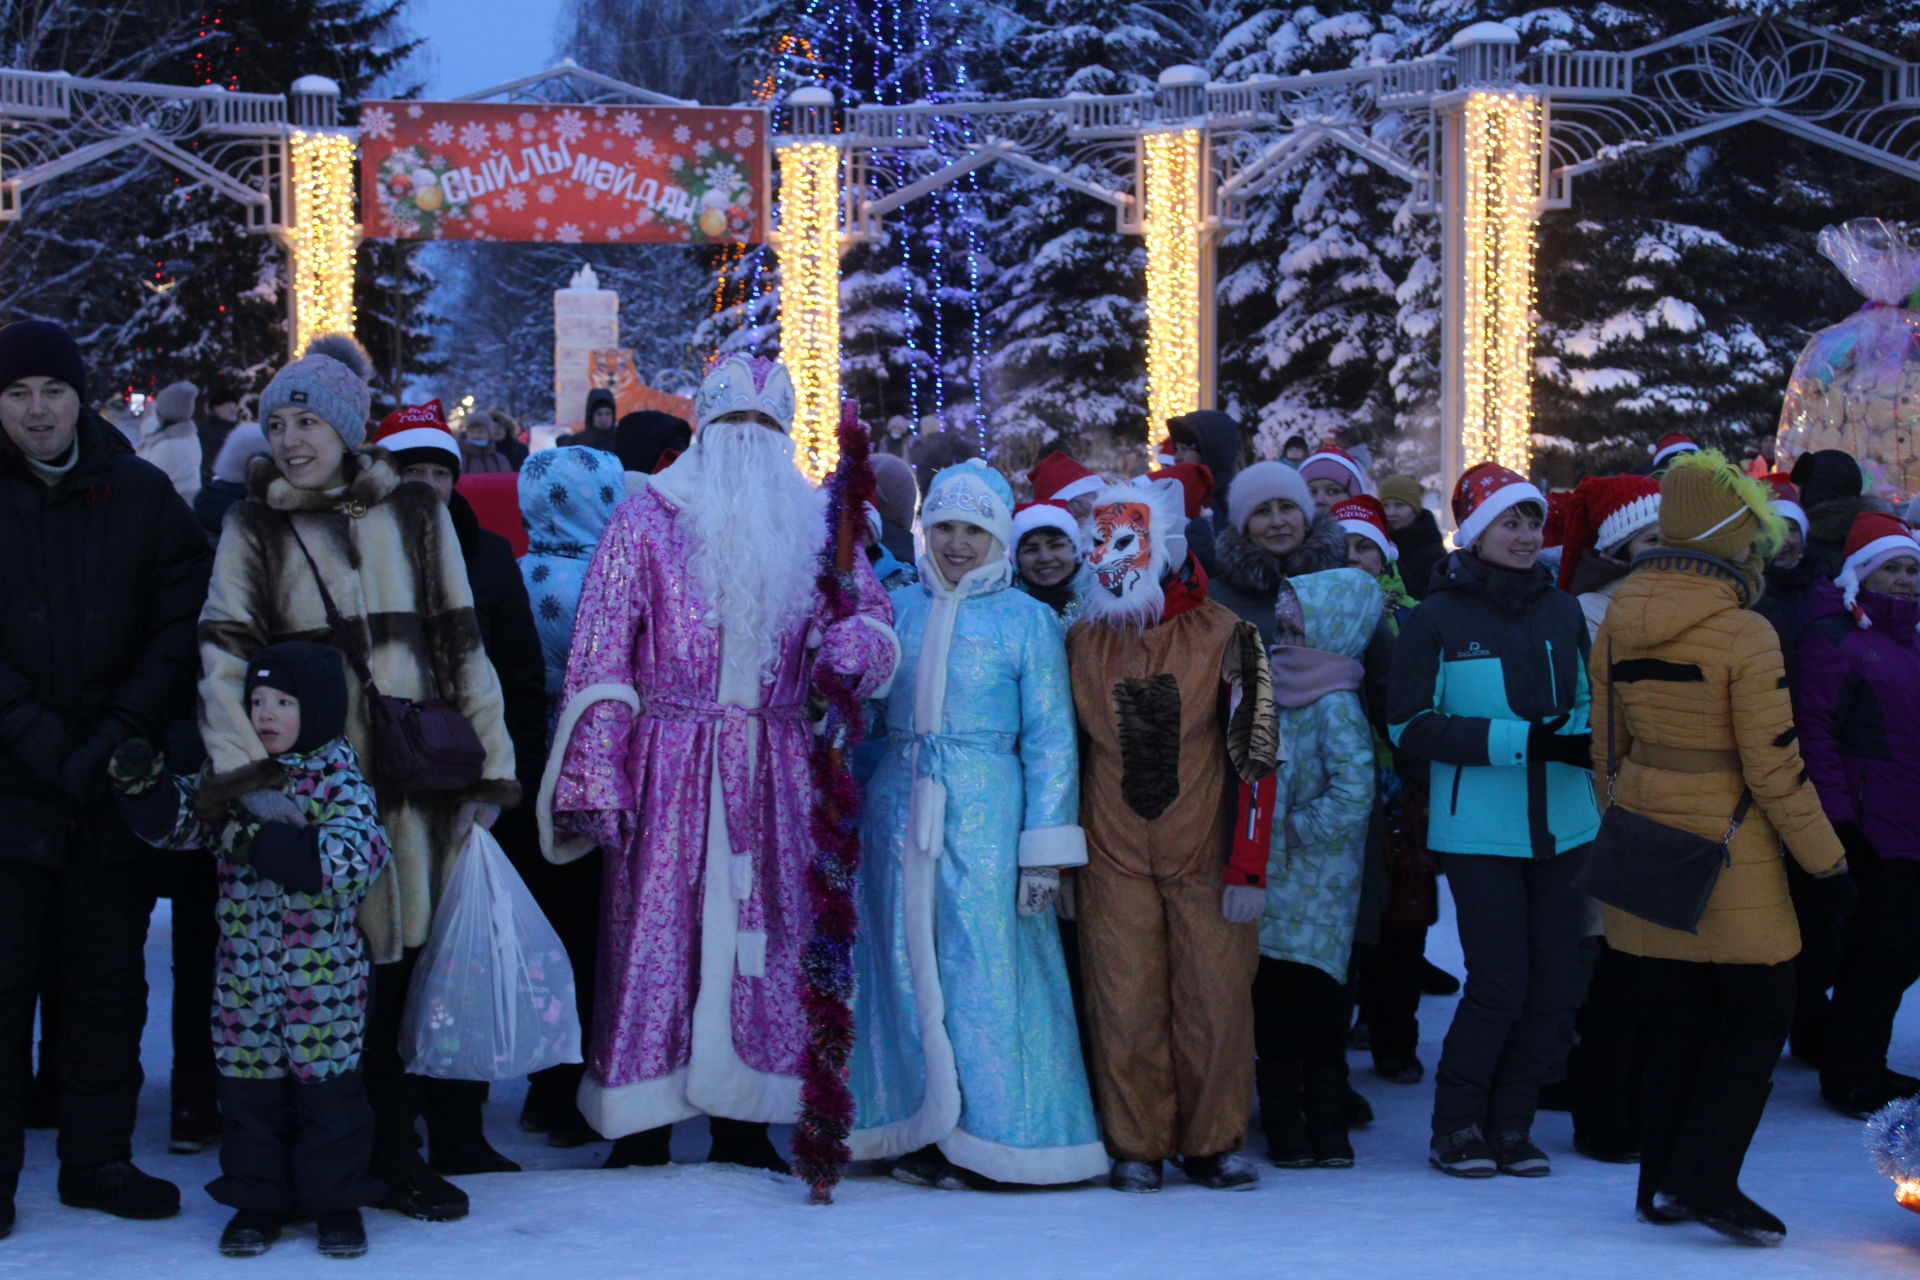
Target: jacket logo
{"type": "Point", "coordinates": [1473, 650]}
{"type": "Point", "coordinates": [97, 493]}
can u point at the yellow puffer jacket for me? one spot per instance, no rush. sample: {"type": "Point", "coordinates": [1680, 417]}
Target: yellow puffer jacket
{"type": "Point", "coordinates": [1704, 709]}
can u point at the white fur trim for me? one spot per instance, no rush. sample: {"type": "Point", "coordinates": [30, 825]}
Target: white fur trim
{"type": "Point", "coordinates": [1674, 450]}
{"type": "Point", "coordinates": [1358, 483]}
{"type": "Point", "coordinates": [615, 1112]}
{"type": "Point", "coordinates": [751, 951]}
{"type": "Point", "coordinates": [1053, 847]}
{"type": "Point", "coordinates": [1031, 1166]}
{"type": "Point", "coordinates": [1792, 511]}
{"type": "Point", "coordinates": [1866, 560]}
{"type": "Point", "coordinates": [422, 438]}
{"type": "Point", "coordinates": [1081, 488]}
{"type": "Point", "coordinates": [1619, 528]}
{"type": "Point", "coordinates": [1496, 504]}
{"type": "Point", "coordinates": [1371, 532]}
{"type": "Point", "coordinates": [573, 847]}
{"type": "Point", "coordinates": [1043, 515]}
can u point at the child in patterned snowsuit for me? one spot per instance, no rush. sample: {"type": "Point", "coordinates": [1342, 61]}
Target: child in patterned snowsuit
{"type": "Point", "coordinates": [292, 970]}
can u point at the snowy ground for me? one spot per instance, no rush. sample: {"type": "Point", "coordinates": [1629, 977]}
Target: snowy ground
{"type": "Point", "coordinates": [1390, 1216]}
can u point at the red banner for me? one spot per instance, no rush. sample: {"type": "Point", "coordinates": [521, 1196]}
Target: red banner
{"type": "Point", "coordinates": [575, 174]}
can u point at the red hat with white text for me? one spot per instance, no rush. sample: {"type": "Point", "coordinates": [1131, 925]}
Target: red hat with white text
{"type": "Point", "coordinates": [417, 426]}
{"type": "Point", "coordinates": [1366, 516]}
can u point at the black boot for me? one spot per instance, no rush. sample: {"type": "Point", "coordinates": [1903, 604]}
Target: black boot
{"type": "Point", "coordinates": [456, 1141]}
{"type": "Point", "coordinates": [8, 1185]}
{"type": "Point", "coordinates": [250, 1233]}
{"type": "Point", "coordinates": [342, 1234]}
{"type": "Point", "coordinates": [120, 1189]}
{"type": "Point", "coordinates": [743, 1142]}
{"type": "Point", "coordinates": [647, 1149]}
{"type": "Point", "coordinates": [1281, 1119]}
{"type": "Point", "coordinates": [1325, 1103]}
{"type": "Point", "coordinates": [194, 1123]}
{"type": "Point", "coordinates": [1136, 1176]}
{"type": "Point", "coordinates": [1736, 1218]}
{"type": "Point", "coordinates": [1435, 981]}
{"type": "Point", "coordinates": [419, 1192]}
{"type": "Point", "coordinates": [1228, 1171]}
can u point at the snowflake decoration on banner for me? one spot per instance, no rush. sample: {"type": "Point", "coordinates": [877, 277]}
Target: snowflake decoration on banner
{"type": "Point", "coordinates": [570, 126]}
{"type": "Point", "coordinates": [504, 131]}
{"type": "Point", "coordinates": [743, 137]}
{"type": "Point", "coordinates": [474, 137]}
{"type": "Point", "coordinates": [415, 111]}
{"type": "Point", "coordinates": [376, 122]}
{"type": "Point", "coordinates": [528, 120]}
{"type": "Point", "coordinates": [546, 194]}
{"type": "Point", "coordinates": [644, 148]}
{"type": "Point", "coordinates": [599, 113]}
{"type": "Point", "coordinates": [611, 234]}
{"type": "Point", "coordinates": [567, 233]}
{"type": "Point", "coordinates": [627, 123]}
{"type": "Point", "coordinates": [481, 213]}
{"type": "Point", "coordinates": [591, 193]}
{"type": "Point", "coordinates": [541, 223]}
{"type": "Point", "coordinates": [514, 198]}
{"type": "Point", "coordinates": [676, 160]}
{"type": "Point", "coordinates": [703, 148]}
{"type": "Point", "coordinates": [642, 217]}
{"type": "Point", "coordinates": [682, 134]}
{"type": "Point", "coordinates": [439, 133]}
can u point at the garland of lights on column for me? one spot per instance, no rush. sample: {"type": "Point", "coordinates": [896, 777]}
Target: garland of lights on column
{"type": "Point", "coordinates": [322, 235]}
{"type": "Point", "coordinates": [808, 242]}
{"type": "Point", "coordinates": [1502, 179]}
{"type": "Point", "coordinates": [1170, 175]}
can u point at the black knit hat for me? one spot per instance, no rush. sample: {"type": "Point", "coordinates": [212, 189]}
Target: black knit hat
{"type": "Point", "coordinates": [1824, 476]}
{"type": "Point", "coordinates": [41, 349]}
{"type": "Point", "coordinates": [312, 673]}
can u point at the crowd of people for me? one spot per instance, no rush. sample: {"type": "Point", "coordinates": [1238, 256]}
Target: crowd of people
{"type": "Point", "coordinates": [1159, 778]}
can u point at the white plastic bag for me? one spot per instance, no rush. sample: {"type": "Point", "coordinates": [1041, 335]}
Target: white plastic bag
{"type": "Point", "coordinates": [492, 995]}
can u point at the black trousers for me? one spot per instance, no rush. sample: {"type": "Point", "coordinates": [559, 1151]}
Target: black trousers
{"type": "Point", "coordinates": [1387, 981]}
{"type": "Point", "coordinates": [1520, 921]}
{"type": "Point", "coordinates": [295, 1147]}
{"type": "Point", "coordinates": [86, 931]}
{"type": "Point", "coordinates": [1880, 960]}
{"type": "Point", "coordinates": [400, 1099]}
{"type": "Point", "coordinates": [1713, 1034]}
{"type": "Point", "coordinates": [1601, 1070]}
{"type": "Point", "coordinates": [193, 883]}
{"type": "Point", "coordinates": [569, 895]}
{"type": "Point", "coordinates": [1817, 965]}
{"type": "Point", "coordinates": [1300, 1017]}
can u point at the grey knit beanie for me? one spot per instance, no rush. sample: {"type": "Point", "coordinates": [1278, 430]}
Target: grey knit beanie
{"type": "Point", "coordinates": [331, 381]}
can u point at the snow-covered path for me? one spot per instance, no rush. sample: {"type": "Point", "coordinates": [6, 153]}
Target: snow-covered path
{"type": "Point", "coordinates": [1390, 1216]}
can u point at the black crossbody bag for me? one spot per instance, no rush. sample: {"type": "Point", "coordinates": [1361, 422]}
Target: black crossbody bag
{"type": "Point", "coordinates": [1648, 869]}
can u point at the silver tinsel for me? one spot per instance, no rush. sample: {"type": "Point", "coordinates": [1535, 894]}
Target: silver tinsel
{"type": "Point", "coordinates": [1893, 1139]}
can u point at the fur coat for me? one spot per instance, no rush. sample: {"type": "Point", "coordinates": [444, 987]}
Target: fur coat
{"type": "Point", "coordinates": [1247, 579]}
{"type": "Point", "coordinates": [392, 563]}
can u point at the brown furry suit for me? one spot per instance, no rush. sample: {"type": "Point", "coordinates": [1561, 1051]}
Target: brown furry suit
{"type": "Point", "coordinates": [1168, 980]}
{"type": "Point", "coordinates": [392, 563]}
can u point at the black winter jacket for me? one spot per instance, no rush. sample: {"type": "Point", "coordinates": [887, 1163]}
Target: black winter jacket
{"type": "Point", "coordinates": [508, 635]}
{"type": "Point", "coordinates": [103, 579]}
{"type": "Point", "coordinates": [1421, 551]}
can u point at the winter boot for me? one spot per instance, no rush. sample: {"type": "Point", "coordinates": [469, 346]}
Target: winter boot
{"type": "Point", "coordinates": [1324, 1098]}
{"type": "Point", "coordinates": [1435, 981]}
{"type": "Point", "coordinates": [119, 1189]}
{"type": "Point", "coordinates": [927, 1167]}
{"type": "Point", "coordinates": [648, 1149]}
{"type": "Point", "coordinates": [1737, 1218]}
{"type": "Point", "coordinates": [1858, 1101]}
{"type": "Point", "coordinates": [743, 1142]}
{"type": "Point", "coordinates": [1900, 1084]}
{"type": "Point", "coordinates": [342, 1234]}
{"type": "Point", "coordinates": [419, 1192]}
{"type": "Point", "coordinates": [456, 1141]}
{"type": "Point", "coordinates": [250, 1233]}
{"type": "Point", "coordinates": [1605, 1144]}
{"type": "Point", "coordinates": [1514, 1154]}
{"type": "Point", "coordinates": [1399, 1070]}
{"type": "Point", "coordinates": [194, 1122]}
{"type": "Point", "coordinates": [1463, 1154]}
{"type": "Point", "coordinates": [7, 1188]}
{"type": "Point", "coordinates": [1138, 1176]}
{"type": "Point", "coordinates": [1359, 1110]}
{"type": "Point", "coordinates": [1229, 1171]}
{"type": "Point", "coordinates": [1278, 1084]}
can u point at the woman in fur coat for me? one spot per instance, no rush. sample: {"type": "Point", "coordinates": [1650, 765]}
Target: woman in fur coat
{"type": "Point", "coordinates": [391, 561]}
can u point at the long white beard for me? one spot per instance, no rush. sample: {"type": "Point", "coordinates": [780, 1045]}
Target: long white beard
{"type": "Point", "coordinates": [756, 531]}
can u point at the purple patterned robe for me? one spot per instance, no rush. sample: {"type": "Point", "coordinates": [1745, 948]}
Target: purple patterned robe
{"type": "Point", "coordinates": [695, 781]}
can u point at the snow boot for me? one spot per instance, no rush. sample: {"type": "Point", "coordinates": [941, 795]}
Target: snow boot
{"type": "Point", "coordinates": [1514, 1154]}
{"type": "Point", "coordinates": [927, 1167]}
{"type": "Point", "coordinates": [6, 1211]}
{"type": "Point", "coordinates": [250, 1233]}
{"type": "Point", "coordinates": [1435, 981]}
{"type": "Point", "coordinates": [1900, 1084]}
{"type": "Point", "coordinates": [1360, 1036]}
{"type": "Point", "coordinates": [194, 1119]}
{"type": "Point", "coordinates": [475, 1155]}
{"type": "Point", "coordinates": [743, 1142]}
{"type": "Point", "coordinates": [419, 1192]}
{"type": "Point", "coordinates": [1287, 1143]}
{"type": "Point", "coordinates": [648, 1149]}
{"type": "Point", "coordinates": [456, 1137]}
{"type": "Point", "coordinates": [1228, 1171]}
{"type": "Point", "coordinates": [120, 1189]}
{"type": "Point", "coordinates": [1359, 1110]}
{"type": "Point", "coordinates": [1399, 1070]}
{"type": "Point", "coordinates": [1327, 1136]}
{"type": "Point", "coordinates": [342, 1234]}
{"type": "Point", "coordinates": [1737, 1218]}
{"type": "Point", "coordinates": [1606, 1145]}
{"type": "Point", "coordinates": [1463, 1154]}
{"type": "Point", "coordinates": [1858, 1101]}
{"type": "Point", "coordinates": [1138, 1176]}
{"type": "Point", "coordinates": [1279, 1084]}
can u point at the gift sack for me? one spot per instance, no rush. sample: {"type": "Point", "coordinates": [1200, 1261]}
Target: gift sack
{"type": "Point", "coordinates": [1856, 386]}
{"type": "Point", "coordinates": [492, 994]}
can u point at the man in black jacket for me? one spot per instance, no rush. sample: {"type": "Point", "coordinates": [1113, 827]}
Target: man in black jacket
{"type": "Point", "coordinates": [103, 578]}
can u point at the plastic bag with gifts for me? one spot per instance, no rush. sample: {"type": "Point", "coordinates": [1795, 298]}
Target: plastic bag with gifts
{"type": "Point", "coordinates": [492, 995]}
{"type": "Point", "coordinates": [1856, 385]}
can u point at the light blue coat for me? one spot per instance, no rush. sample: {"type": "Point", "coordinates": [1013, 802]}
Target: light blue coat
{"type": "Point", "coordinates": [965, 1033]}
{"type": "Point", "coordinates": [567, 496]}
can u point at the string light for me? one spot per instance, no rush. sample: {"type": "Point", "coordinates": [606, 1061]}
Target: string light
{"type": "Point", "coordinates": [322, 235]}
{"type": "Point", "coordinates": [808, 242]}
{"type": "Point", "coordinates": [1171, 180]}
{"type": "Point", "coordinates": [1502, 179]}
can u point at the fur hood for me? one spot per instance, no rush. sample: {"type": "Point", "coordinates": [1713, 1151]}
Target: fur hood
{"type": "Point", "coordinates": [1247, 568]}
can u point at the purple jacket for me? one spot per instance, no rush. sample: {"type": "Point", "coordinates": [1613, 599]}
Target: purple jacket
{"type": "Point", "coordinates": [1859, 713]}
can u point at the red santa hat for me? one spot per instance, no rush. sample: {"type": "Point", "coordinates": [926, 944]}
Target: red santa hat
{"type": "Point", "coordinates": [1058, 478]}
{"type": "Point", "coordinates": [1196, 482]}
{"type": "Point", "coordinates": [1786, 501]}
{"type": "Point", "coordinates": [417, 426]}
{"type": "Point", "coordinates": [1671, 446]}
{"type": "Point", "coordinates": [1603, 513]}
{"type": "Point", "coordinates": [1554, 531]}
{"type": "Point", "coordinates": [1029, 516]}
{"type": "Point", "coordinates": [1163, 454]}
{"type": "Point", "coordinates": [1338, 466]}
{"type": "Point", "coordinates": [1483, 493]}
{"type": "Point", "coordinates": [1365, 516]}
{"type": "Point", "coordinates": [1874, 539]}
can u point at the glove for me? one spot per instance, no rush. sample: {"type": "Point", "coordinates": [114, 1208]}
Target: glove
{"type": "Point", "coordinates": [1839, 894]}
{"type": "Point", "coordinates": [1243, 903]}
{"type": "Point", "coordinates": [270, 805]}
{"type": "Point", "coordinates": [84, 776]}
{"type": "Point", "coordinates": [40, 748]}
{"type": "Point", "coordinates": [1546, 742]}
{"type": "Point", "coordinates": [1039, 887]}
{"type": "Point", "coordinates": [1067, 905]}
{"type": "Point", "coordinates": [289, 856]}
{"type": "Point", "coordinates": [136, 767]}
{"type": "Point", "coordinates": [1851, 837]}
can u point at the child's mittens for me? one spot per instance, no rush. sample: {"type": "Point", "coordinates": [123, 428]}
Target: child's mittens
{"type": "Point", "coordinates": [269, 804]}
{"type": "Point", "coordinates": [1039, 886]}
{"type": "Point", "coordinates": [136, 767]}
{"type": "Point", "coordinates": [289, 856]}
